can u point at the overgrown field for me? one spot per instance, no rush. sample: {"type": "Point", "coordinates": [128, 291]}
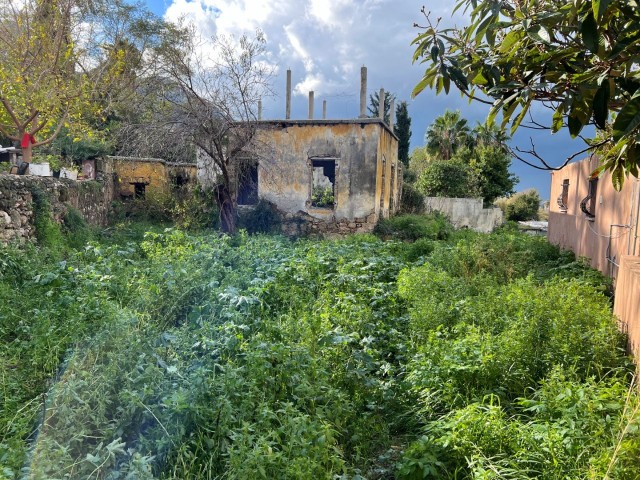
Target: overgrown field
{"type": "Point", "coordinates": [184, 356]}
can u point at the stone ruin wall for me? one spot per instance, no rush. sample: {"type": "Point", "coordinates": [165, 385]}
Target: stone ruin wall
{"type": "Point", "coordinates": [92, 199]}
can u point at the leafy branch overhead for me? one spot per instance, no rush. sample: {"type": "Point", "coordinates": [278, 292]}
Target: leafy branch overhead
{"type": "Point", "coordinates": [579, 59]}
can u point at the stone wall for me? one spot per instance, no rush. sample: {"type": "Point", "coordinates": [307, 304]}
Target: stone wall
{"type": "Point", "coordinates": [465, 213]}
{"type": "Point", "coordinates": [17, 218]}
{"type": "Point", "coordinates": [303, 224]}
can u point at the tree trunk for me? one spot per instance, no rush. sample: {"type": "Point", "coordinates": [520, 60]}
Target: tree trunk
{"type": "Point", "coordinates": [227, 209]}
{"type": "Point", "coordinates": [27, 153]}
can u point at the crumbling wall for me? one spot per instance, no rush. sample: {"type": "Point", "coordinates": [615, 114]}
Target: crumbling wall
{"type": "Point", "coordinates": [465, 213]}
{"type": "Point", "coordinates": [92, 199]}
{"type": "Point", "coordinates": [158, 176]}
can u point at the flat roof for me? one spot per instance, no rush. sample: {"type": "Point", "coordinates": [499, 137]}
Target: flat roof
{"type": "Point", "coordinates": [321, 122]}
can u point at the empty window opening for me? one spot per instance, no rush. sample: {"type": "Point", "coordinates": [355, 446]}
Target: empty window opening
{"type": "Point", "coordinates": [563, 199]}
{"type": "Point", "coordinates": [139, 190]}
{"type": "Point", "coordinates": [248, 185]}
{"type": "Point", "coordinates": [180, 181]}
{"type": "Point", "coordinates": [323, 183]}
{"type": "Point", "coordinates": [588, 203]}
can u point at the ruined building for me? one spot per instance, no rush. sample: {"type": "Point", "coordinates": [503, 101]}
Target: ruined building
{"type": "Point", "coordinates": [326, 176]}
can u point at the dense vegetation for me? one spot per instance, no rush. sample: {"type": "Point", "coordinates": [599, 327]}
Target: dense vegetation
{"type": "Point", "coordinates": [204, 356]}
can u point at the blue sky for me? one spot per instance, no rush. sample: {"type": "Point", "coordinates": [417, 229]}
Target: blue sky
{"type": "Point", "coordinates": [325, 42]}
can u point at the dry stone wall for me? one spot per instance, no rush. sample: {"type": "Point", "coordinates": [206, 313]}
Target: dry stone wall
{"type": "Point", "coordinates": [92, 199]}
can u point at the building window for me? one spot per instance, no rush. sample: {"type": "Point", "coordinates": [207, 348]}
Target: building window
{"type": "Point", "coordinates": [563, 199]}
{"type": "Point", "coordinates": [588, 203]}
{"type": "Point", "coordinates": [323, 183]}
{"type": "Point", "coordinates": [139, 190]}
{"type": "Point", "coordinates": [248, 185]}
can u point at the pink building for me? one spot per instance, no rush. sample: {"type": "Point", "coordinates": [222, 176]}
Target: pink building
{"type": "Point", "coordinates": [589, 217]}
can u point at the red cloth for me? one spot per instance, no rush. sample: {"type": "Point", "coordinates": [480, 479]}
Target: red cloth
{"type": "Point", "coordinates": [26, 139]}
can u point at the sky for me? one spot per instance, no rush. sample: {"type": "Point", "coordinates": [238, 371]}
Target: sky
{"type": "Point", "coordinates": [325, 42]}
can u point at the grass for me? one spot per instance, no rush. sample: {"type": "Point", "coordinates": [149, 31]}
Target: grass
{"type": "Point", "coordinates": [173, 355]}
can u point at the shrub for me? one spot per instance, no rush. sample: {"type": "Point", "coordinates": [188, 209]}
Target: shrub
{"type": "Point", "coordinates": [521, 206]}
{"type": "Point", "coordinates": [412, 227]}
{"type": "Point", "coordinates": [262, 218]}
{"type": "Point", "coordinates": [448, 178]}
{"type": "Point", "coordinates": [412, 201]}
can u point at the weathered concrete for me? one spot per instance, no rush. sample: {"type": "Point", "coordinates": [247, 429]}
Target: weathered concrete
{"type": "Point", "coordinates": [363, 92]}
{"type": "Point", "coordinates": [466, 213]}
{"type": "Point", "coordinates": [367, 172]}
{"type": "Point", "coordinates": [288, 94]}
{"type": "Point", "coordinates": [311, 105]}
{"type": "Point", "coordinates": [157, 175]}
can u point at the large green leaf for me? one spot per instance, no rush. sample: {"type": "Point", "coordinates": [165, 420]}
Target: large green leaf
{"type": "Point", "coordinates": [575, 125]}
{"type": "Point", "coordinates": [628, 119]}
{"type": "Point", "coordinates": [589, 32]}
{"type": "Point", "coordinates": [599, 7]}
{"type": "Point", "coordinates": [601, 105]}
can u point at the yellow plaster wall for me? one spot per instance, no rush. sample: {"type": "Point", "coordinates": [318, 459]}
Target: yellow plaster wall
{"type": "Point", "coordinates": [284, 171]}
{"type": "Point", "coordinates": [156, 174]}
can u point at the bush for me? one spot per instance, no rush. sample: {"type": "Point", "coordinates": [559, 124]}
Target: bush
{"type": "Point", "coordinates": [412, 227]}
{"type": "Point", "coordinates": [262, 218]}
{"type": "Point", "coordinates": [448, 178]}
{"type": "Point", "coordinates": [521, 207]}
{"type": "Point", "coordinates": [412, 200]}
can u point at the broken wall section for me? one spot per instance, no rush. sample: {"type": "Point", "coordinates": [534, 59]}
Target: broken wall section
{"type": "Point", "coordinates": [466, 213]}
{"type": "Point", "coordinates": [92, 199]}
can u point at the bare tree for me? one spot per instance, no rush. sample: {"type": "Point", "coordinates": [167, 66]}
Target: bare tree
{"type": "Point", "coordinates": [208, 98]}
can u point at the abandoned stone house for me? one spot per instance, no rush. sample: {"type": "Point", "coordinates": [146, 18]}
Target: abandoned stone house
{"type": "Point", "coordinates": [325, 176]}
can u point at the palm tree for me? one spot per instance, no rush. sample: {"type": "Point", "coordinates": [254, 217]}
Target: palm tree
{"type": "Point", "coordinates": [485, 135]}
{"type": "Point", "coordinates": [446, 134]}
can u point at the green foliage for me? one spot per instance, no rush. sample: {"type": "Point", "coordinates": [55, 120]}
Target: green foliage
{"type": "Point", "coordinates": [412, 201]}
{"type": "Point", "coordinates": [179, 356]}
{"type": "Point", "coordinates": [185, 207]}
{"type": "Point", "coordinates": [262, 218]}
{"type": "Point", "coordinates": [48, 232]}
{"type": "Point", "coordinates": [448, 178]}
{"type": "Point", "coordinates": [491, 165]}
{"type": "Point", "coordinates": [571, 56]}
{"type": "Point", "coordinates": [402, 129]}
{"type": "Point", "coordinates": [374, 105]}
{"type": "Point", "coordinates": [322, 197]}
{"type": "Point", "coordinates": [521, 206]}
{"type": "Point", "coordinates": [447, 134]}
{"type": "Point", "coordinates": [413, 227]}
{"type": "Point", "coordinates": [76, 230]}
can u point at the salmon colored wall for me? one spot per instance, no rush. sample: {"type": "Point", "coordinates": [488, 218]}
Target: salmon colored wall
{"type": "Point", "coordinates": [610, 241]}
{"type": "Point", "coordinates": [627, 304]}
{"type": "Point", "coordinates": [611, 234]}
